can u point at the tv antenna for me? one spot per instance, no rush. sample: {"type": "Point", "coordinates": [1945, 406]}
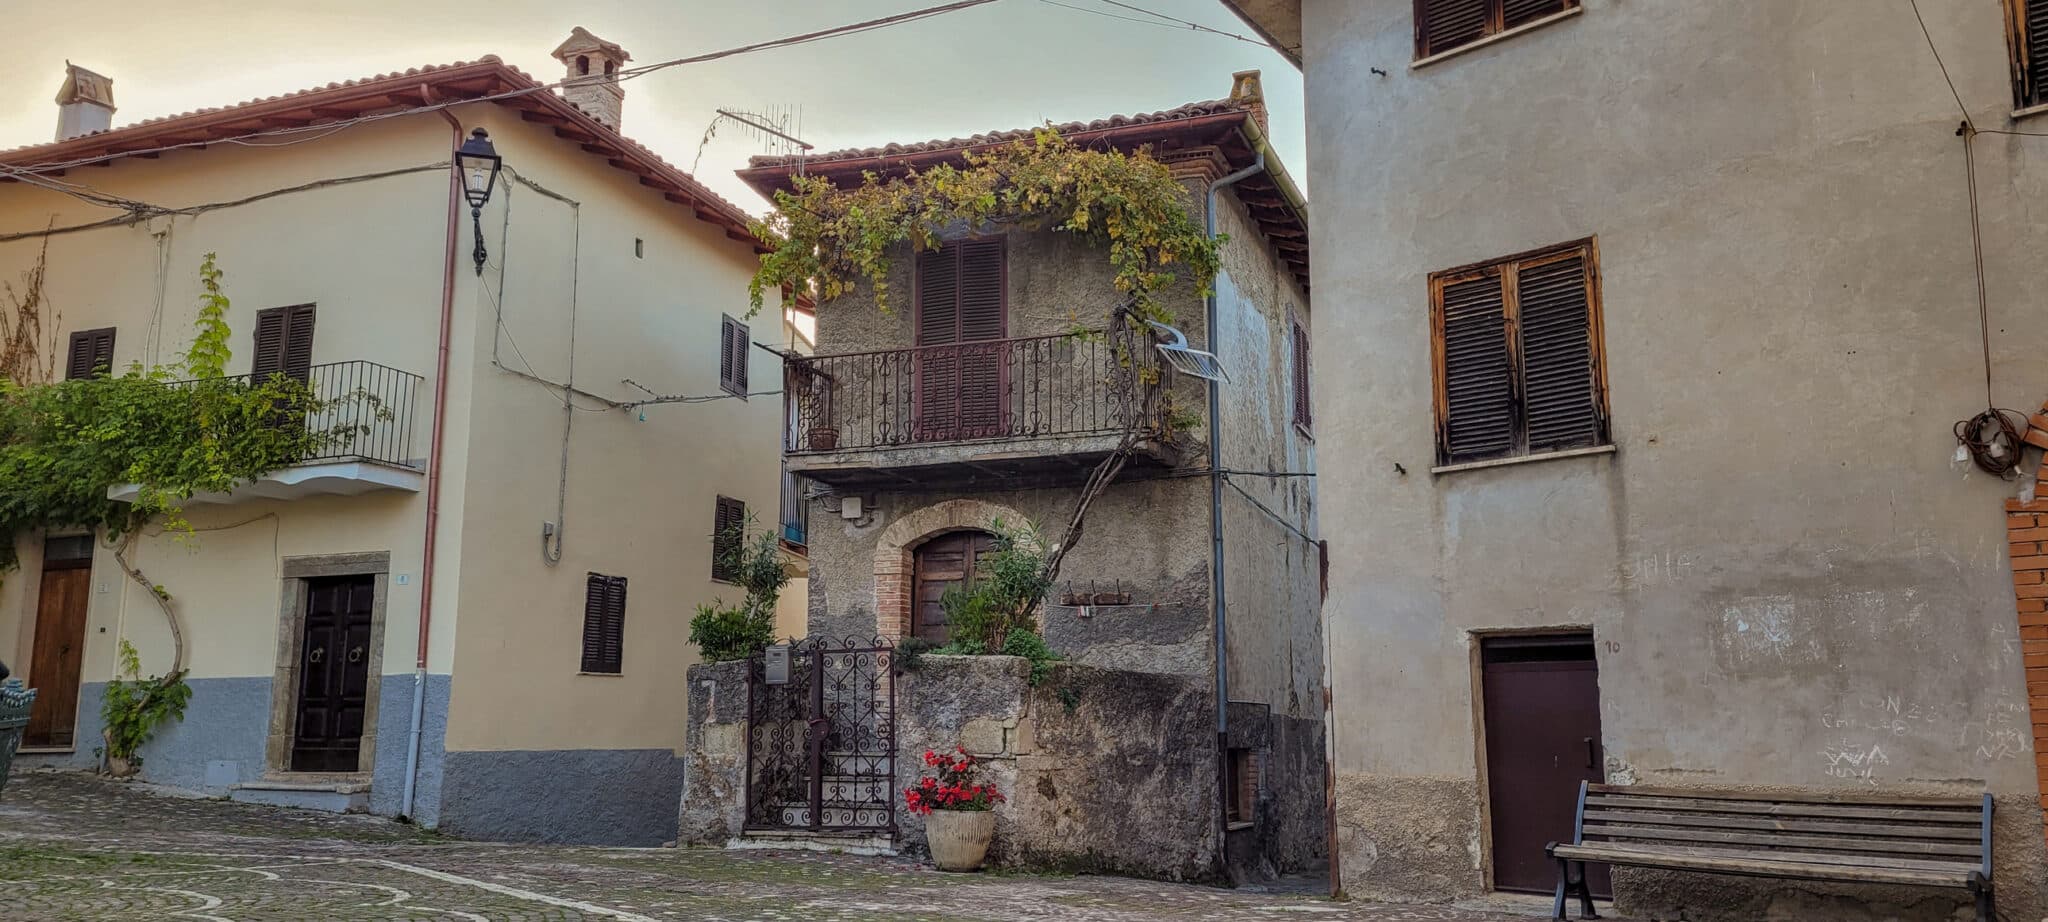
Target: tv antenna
{"type": "Point", "coordinates": [776, 129]}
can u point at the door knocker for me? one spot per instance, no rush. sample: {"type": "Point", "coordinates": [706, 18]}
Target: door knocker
{"type": "Point", "coordinates": [356, 655]}
{"type": "Point", "coordinates": [313, 656]}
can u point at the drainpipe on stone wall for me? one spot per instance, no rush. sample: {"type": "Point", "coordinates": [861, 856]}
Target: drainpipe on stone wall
{"type": "Point", "coordinates": [1219, 610]}
{"type": "Point", "coordinates": [419, 674]}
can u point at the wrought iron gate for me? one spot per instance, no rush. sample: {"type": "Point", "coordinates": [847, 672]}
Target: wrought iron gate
{"type": "Point", "coordinates": [821, 740]}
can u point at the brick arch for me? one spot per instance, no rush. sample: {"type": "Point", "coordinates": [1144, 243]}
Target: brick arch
{"type": "Point", "coordinates": [893, 561]}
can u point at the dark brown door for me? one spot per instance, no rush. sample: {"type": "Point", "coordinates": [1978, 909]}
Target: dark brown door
{"type": "Point", "coordinates": [59, 651]}
{"type": "Point", "coordinates": [334, 674]}
{"type": "Point", "coordinates": [1542, 700]}
{"type": "Point", "coordinates": [943, 563]}
{"type": "Point", "coordinates": [961, 357]}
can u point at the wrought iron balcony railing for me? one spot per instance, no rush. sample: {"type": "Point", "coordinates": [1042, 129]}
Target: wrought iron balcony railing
{"type": "Point", "coordinates": [365, 408]}
{"type": "Point", "coordinates": [1040, 387]}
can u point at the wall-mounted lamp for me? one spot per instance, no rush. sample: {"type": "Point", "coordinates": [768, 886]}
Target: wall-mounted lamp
{"type": "Point", "coordinates": [478, 162]}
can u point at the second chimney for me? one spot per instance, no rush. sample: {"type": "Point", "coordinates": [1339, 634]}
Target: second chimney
{"type": "Point", "coordinates": [85, 103]}
{"type": "Point", "coordinates": [593, 84]}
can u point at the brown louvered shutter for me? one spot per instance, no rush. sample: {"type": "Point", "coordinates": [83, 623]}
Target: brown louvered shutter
{"type": "Point", "coordinates": [1559, 386]}
{"type": "Point", "coordinates": [284, 342]}
{"type": "Point", "coordinates": [91, 353]}
{"type": "Point", "coordinates": [727, 522]}
{"type": "Point", "coordinates": [2029, 48]}
{"type": "Point", "coordinates": [1478, 400]}
{"type": "Point", "coordinates": [604, 623]}
{"type": "Point", "coordinates": [733, 340]}
{"type": "Point", "coordinates": [1441, 25]}
{"type": "Point", "coordinates": [1302, 405]}
{"type": "Point", "coordinates": [981, 321]}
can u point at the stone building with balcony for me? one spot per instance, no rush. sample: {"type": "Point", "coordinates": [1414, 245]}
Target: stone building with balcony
{"type": "Point", "coordinates": [990, 392]}
{"type": "Point", "coordinates": [475, 611]}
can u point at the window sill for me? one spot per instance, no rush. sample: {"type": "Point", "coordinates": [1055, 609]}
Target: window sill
{"type": "Point", "coordinates": [1523, 459]}
{"type": "Point", "coordinates": [1531, 26]}
{"type": "Point", "coordinates": [2030, 111]}
{"type": "Point", "coordinates": [604, 675]}
{"type": "Point", "coordinates": [1304, 432]}
{"type": "Point", "coordinates": [1236, 826]}
{"type": "Point", "coordinates": [46, 750]}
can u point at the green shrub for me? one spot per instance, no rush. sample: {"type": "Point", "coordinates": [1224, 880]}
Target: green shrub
{"type": "Point", "coordinates": [996, 617]}
{"type": "Point", "coordinates": [133, 707]}
{"type": "Point", "coordinates": [736, 632]}
{"type": "Point", "coordinates": [731, 633]}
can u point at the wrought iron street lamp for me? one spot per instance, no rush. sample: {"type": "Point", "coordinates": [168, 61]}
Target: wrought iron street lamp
{"type": "Point", "coordinates": [478, 163]}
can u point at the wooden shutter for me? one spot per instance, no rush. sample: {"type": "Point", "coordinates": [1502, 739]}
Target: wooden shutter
{"type": "Point", "coordinates": [91, 352]}
{"type": "Point", "coordinates": [1559, 387]}
{"type": "Point", "coordinates": [733, 341]}
{"type": "Point", "coordinates": [1519, 363]}
{"type": "Point", "coordinates": [938, 324]}
{"type": "Point", "coordinates": [2027, 46]}
{"type": "Point", "coordinates": [727, 521]}
{"type": "Point", "coordinates": [1476, 407]}
{"type": "Point", "coordinates": [284, 342]}
{"type": "Point", "coordinates": [1302, 407]}
{"type": "Point", "coordinates": [604, 623]}
{"type": "Point", "coordinates": [981, 321]}
{"type": "Point", "coordinates": [1441, 25]}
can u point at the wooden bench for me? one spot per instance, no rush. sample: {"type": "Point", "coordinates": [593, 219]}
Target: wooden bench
{"type": "Point", "coordinates": [1915, 841]}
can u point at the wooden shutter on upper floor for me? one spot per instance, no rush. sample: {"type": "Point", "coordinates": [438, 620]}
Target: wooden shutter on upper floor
{"type": "Point", "coordinates": [604, 623]}
{"type": "Point", "coordinates": [733, 342]}
{"type": "Point", "coordinates": [728, 521]}
{"type": "Point", "coordinates": [91, 353]}
{"type": "Point", "coordinates": [962, 298]}
{"type": "Point", "coordinates": [284, 342]}
{"type": "Point", "coordinates": [1303, 410]}
{"type": "Point", "coordinates": [1519, 366]}
{"type": "Point", "coordinates": [2026, 32]}
{"type": "Point", "coordinates": [981, 320]}
{"type": "Point", "coordinates": [1441, 25]}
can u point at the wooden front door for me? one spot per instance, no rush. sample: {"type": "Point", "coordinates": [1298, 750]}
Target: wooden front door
{"type": "Point", "coordinates": [961, 358]}
{"type": "Point", "coordinates": [943, 563]}
{"type": "Point", "coordinates": [1542, 706]}
{"type": "Point", "coordinates": [334, 675]}
{"type": "Point", "coordinates": [58, 656]}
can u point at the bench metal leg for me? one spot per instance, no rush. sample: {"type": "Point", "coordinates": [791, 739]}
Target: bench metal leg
{"type": "Point", "coordinates": [1569, 886]}
{"type": "Point", "coordinates": [1985, 912]}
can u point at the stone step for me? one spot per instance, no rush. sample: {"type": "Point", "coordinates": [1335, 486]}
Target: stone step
{"type": "Point", "coordinates": [876, 843]}
{"type": "Point", "coordinates": [331, 797]}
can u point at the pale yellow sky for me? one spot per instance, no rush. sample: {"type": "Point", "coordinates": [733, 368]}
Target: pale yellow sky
{"type": "Point", "coordinates": [1008, 64]}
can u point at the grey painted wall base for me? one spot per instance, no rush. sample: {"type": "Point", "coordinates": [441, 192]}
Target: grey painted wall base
{"type": "Point", "coordinates": [220, 743]}
{"type": "Point", "coordinates": [573, 796]}
{"type": "Point", "coordinates": [327, 801]}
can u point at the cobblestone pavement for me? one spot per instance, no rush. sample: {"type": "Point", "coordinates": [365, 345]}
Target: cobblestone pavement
{"type": "Point", "coordinates": [74, 847]}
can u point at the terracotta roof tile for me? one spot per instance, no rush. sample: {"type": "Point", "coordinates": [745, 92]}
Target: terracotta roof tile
{"type": "Point", "coordinates": [1191, 110]}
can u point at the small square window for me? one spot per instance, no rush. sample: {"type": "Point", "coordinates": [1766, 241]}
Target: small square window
{"type": "Point", "coordinates": [1241, 786]}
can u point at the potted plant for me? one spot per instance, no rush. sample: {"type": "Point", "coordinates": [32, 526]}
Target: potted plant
{"type": "Point", "coordinates": [824, 438]}
{"type": "Point", "coordinates": [959, 812]}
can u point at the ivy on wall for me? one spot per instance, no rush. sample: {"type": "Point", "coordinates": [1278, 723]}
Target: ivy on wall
{"type": "Point", "coordinates": [831, 240]}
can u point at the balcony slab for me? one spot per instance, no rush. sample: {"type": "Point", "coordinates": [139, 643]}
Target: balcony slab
{"type": "Point", "coordinates": [998, 463]}
{"type": "Point", "coordinates": [326, 478]}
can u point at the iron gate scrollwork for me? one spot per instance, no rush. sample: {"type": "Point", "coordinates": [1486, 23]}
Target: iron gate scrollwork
{"type": "Point", "coordinates": [821, 748]}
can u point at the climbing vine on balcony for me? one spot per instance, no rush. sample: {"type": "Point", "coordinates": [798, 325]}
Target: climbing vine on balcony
{"type": "Point", "coordinates": [1129, 205]}
{"type": "Point", "coordinates": [172, 430]}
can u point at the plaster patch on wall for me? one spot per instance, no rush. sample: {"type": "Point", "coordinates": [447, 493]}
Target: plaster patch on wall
{"type": "Point", "coordinates": [1765, 632]}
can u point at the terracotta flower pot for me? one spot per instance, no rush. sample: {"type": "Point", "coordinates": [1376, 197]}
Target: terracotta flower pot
{"type": "Point", "coordinates": [959, 838]}
{"type": "Point", "coordinates": [824, 438]}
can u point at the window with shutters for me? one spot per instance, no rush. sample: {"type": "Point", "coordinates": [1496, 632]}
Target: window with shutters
{"type": "Point", "coordinates": [604, 624]}
{"type": "Point", "coordinates": [2026, 35]}
{"type": "Point", "coordinates": [1441, 25]}
{"type": "Point", "coordinates": [284, 342]}
{"type": "Point", "coordinates": [1519, 365]}
{"type": "Point", "coordinates": [962, 308]}
{"type": "Point", "coordinates": [1302, 406]}
{"type": "Point", "coordinates": [91, 353]}
{"type": "Point", "coordinates": [733, 340]}
{"type": "Point", "coordinates": [728, 533]}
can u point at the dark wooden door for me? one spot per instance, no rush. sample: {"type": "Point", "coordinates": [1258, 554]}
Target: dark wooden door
{"type": "Point", "coordinates": [1542, 705]}
{"type": "Point", "coordinates": [334, 675]}
{"type": "Point", "coordinates": [961, 359]}
{"type": "Point", "coordinates": [943, 563]}
{"type": "Point", "coordinates": [57, 658]}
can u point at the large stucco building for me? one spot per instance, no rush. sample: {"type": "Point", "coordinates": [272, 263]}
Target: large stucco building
{"type": "Point", "coordinates": [1708, 479]}
{"type": "Point", "coordinates": [511, 662]}
{"type": "Point", "coordinates": [971, 406]}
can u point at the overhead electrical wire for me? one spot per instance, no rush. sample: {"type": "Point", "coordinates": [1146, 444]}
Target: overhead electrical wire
{"type": "Point", "coordinates": [327, 129]}
{"type": "Point", "coordinates": [1158, 19]}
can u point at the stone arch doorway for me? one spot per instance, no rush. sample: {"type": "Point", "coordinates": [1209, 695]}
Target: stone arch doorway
{"type": "Point", "coordinates": [896, 559]}
{"type": "Point", "coordinates": [944, 562]}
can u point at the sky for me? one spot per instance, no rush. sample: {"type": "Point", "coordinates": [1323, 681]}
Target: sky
{"type": "Point", "coordinates": [1008, 64]}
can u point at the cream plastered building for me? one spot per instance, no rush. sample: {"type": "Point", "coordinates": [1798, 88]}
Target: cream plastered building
{"type": "Point", "coordinates": [359, 636]}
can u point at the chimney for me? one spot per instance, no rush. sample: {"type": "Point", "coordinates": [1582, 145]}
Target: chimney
{"type": "Point", "coordinates": [592, 64]}
{"type": "Point", "coordinates": [1246, 94]}
{"type": "Point", "coordinates": [85, 104]}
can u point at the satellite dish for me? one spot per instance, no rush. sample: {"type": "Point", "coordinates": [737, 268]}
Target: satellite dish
{"type": "Point", "coordinates": [1185, 358]}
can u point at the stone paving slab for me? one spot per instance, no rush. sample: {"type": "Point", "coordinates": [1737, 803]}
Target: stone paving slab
{"type": "Point", "coordinates": [74, 847]}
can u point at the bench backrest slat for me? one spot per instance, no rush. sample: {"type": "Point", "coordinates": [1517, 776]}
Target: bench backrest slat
{"type": "Point", "coordinates": [1847, 829]}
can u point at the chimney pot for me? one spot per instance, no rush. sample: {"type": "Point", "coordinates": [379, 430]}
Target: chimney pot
{"type": "Point", "coordinates": [1247, 94]}
{"type": "Point", "coordinates": [591, 64]}
{"type": "Point", "coordinates": [85, 103]}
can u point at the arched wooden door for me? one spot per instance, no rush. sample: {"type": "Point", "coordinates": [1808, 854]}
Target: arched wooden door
{"type": "Point", "coordinates": [943, 563]}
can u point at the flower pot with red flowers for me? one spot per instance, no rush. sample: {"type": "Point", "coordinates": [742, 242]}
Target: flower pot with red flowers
{"type": "Point", "coordinates": [959, 811]}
